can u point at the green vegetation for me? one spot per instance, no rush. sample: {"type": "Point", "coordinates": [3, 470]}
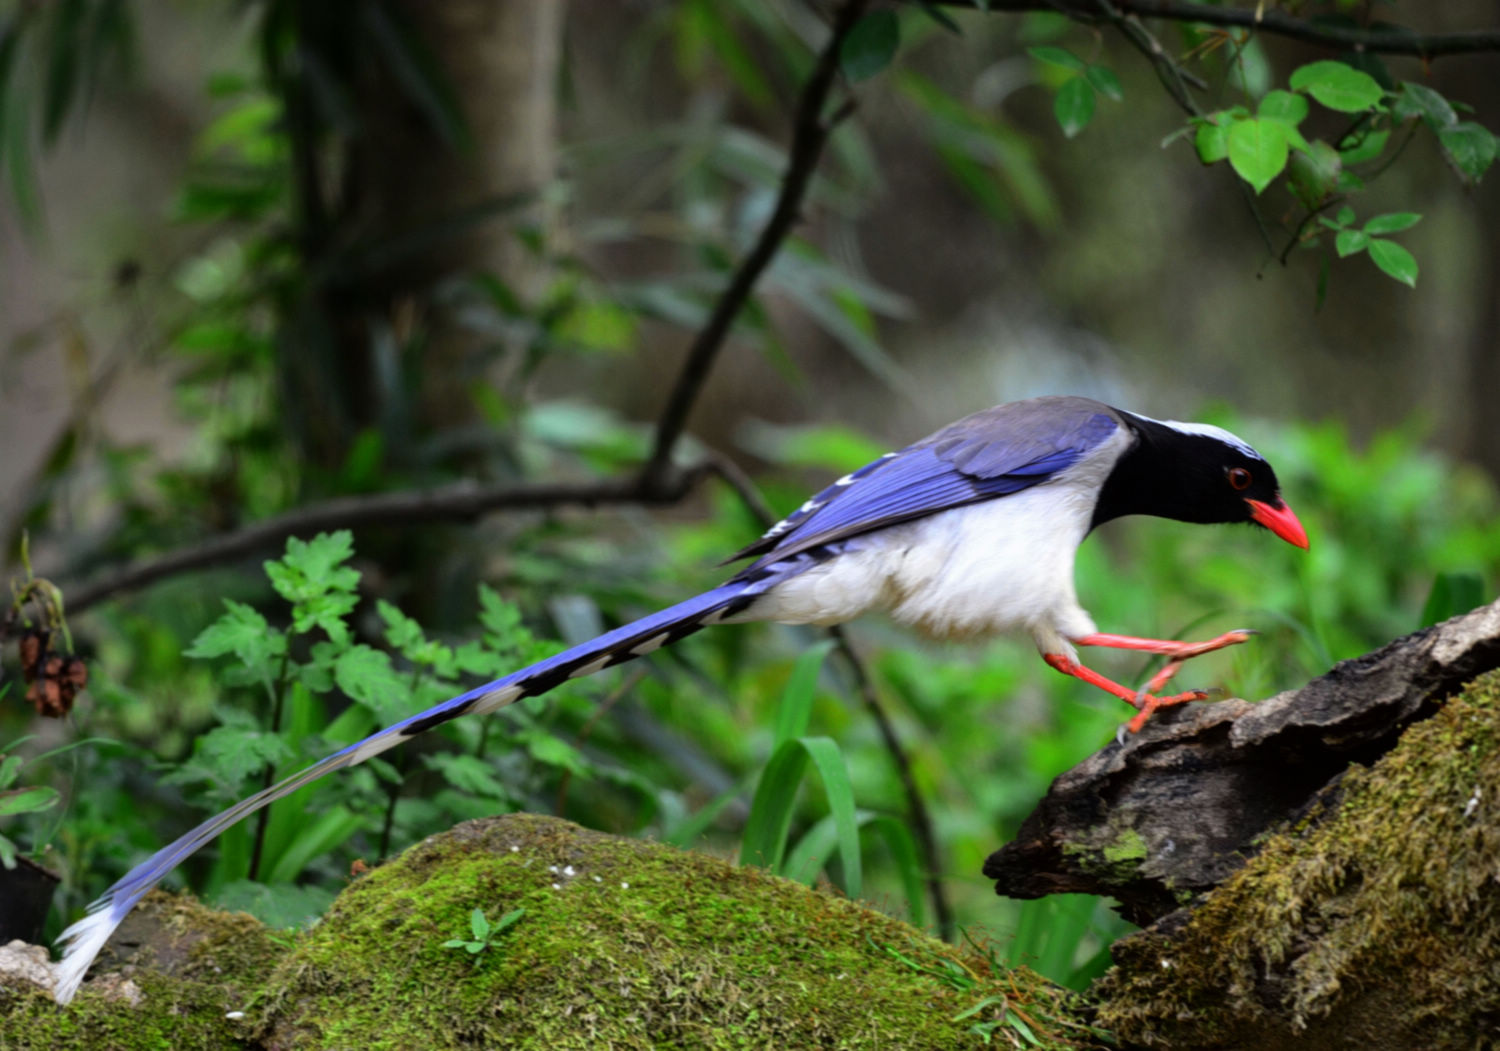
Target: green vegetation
{"type": "Point", "coordinates": [1243, 972]}
{"type": "Point", "coordinates": [625, 944]}
{"type": "Point", "coordinates": [319, 350]}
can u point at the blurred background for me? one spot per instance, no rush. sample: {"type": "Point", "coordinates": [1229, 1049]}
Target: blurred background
{"type": "Point", "coordinates": [258, 256]}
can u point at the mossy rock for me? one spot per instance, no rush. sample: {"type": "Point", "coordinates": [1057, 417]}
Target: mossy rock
{"type": "Point", "coordinates": [1376, 924]}
{"type": "Point", "coordinates": [183, 970]}
{"type": "Point", "coordinates": [629, 944]}
{"type": "Point", "coordinates": [623, 944]}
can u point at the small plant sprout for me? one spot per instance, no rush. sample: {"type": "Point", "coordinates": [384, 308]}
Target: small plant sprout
{"type": "Point", "coordinates": [484, 933]}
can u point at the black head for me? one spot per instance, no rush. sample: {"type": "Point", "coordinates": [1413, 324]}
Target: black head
{"type": "Point", "coordinates": [1194, 472]}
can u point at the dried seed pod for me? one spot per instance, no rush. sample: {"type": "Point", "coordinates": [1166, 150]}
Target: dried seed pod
{"type": "Point", "coordinates": [33, 646]}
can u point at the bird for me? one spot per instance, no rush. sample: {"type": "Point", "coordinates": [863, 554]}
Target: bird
{"type": "Point", "coordinates": [969, 532]}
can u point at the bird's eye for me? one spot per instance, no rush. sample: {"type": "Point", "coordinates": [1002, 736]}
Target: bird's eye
{"type": "Point", "coordinates": [1239, 478]}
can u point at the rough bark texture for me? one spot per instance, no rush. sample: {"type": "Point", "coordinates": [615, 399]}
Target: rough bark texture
{"type": "Point", "coordinates": [1320, 870]}
{"type": "Point", "coordinates": [1179, 807]}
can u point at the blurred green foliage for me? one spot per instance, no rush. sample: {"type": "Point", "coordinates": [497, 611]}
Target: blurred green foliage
{"type": "Point", "coordinates": [213, 682]}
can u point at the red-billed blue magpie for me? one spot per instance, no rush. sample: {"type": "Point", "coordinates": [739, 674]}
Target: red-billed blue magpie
{"type": "Point", "coordinates": [968, 532]}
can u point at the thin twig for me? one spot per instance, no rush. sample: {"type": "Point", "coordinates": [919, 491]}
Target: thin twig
{"type": "Point", "coordinates": [1386, 41]}
{"type": "Point", "coordinates": [1174, 78]}
{"type": "Point", "coordinates": [458, 503]}
{"type": "Point", "coordinates": [809, 132]}
{"type": "Point", "coordinates": [746, 489]}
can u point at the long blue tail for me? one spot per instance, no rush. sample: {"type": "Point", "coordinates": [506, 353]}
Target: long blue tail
{"type": "Point", "coordinates": [85, 938]}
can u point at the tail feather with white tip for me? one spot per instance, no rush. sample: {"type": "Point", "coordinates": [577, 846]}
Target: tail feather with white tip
{"type": "Point", "coordinates": [84, 939]}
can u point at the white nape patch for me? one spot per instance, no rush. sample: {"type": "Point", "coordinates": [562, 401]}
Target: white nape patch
{"type": "Point", "coordinates": [497, 699]}
{"type": "Point", "coordinates": [84, 940]}
{"type": "Point", "coordinates": [591, 667]}
{"type": "Point", "coordinates": [1208, 430]}
{"type": "Point", "coordinates": [651, 645]}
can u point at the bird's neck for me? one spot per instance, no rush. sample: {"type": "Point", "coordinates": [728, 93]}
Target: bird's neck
{"type": "Point", "coordinates": [1158, 474]}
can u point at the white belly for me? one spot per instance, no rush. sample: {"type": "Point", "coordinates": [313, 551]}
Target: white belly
{"type": "Point", "coordinates": [1002, 565]}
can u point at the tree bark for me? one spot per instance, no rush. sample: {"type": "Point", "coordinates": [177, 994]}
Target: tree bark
{"type": "Point", "coordinates": [1321, 869]}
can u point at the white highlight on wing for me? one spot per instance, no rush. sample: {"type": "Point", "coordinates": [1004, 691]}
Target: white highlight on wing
{"type": "Point", "coordinates": [496, 699]}
{"type": "Point", "coordinates": [651, 645]}
{"type": "Point", "coordinates": [590, 668]}
{"type": "Point", "coordinates": [1208, 430]}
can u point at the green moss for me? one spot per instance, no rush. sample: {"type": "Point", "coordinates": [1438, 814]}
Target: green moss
{"type": "Point", "coordinates": [193, 968]}
{"type": "Point", "coordinates": [1129, 847]}
{"type": "Point", "coordinates": [639, 945]}
{"type": "Point", "coordinates": [1113, 854]}
{"type": "Point", "coordinates": [1377, 923]}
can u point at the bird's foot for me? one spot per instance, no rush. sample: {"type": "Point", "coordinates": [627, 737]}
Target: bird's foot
{"type": "Point", "coordinates": [1147, 705]}
{"type": "Point", "coordinates": [1197, 649]}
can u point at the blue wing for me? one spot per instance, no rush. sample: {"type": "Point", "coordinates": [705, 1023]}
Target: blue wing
{"type": "Point", "coordinates": [981, 457]}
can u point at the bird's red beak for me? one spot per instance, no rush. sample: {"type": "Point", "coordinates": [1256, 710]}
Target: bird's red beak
{"type": "Point", "coordinates": [1279, 520]}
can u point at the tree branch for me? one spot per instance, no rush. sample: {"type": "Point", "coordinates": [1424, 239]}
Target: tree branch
{"type": "Point", "coordinates": [1386, 40]}
{"type": "Point", "coordinates": [457, 503]}
{"type": "Point", "coordinates": [810, 132]}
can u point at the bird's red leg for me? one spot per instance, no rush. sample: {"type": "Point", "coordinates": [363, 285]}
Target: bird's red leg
{"type": "Point", "coordinates": [1140, 700]}
{"type": "Point", "coordinates": [1176, 652]}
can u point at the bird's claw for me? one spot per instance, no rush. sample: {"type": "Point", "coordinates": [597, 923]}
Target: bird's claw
{"type": "Point", "coordinates": [1151, 704]}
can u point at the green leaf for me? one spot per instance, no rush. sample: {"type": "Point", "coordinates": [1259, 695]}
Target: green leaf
{"type": "Point", "coordinates": [479, 925]}
{"type": "Point", "coordinates": [510, 919]}
{"type": "Point", "coordinates": [764, 840]}
{"type": "Point", "coordinates": [1211, 141]}
{"type": "Point", "coordinates": [1350, 241]}
{"type": "Point", "coordinates": [469, 774]}
{"type": "Point", "coordinates": [27, 800]}
{"type": "Point", "coordinates": [1418, 100]}
{"type": "Point", "coordinates": [366, 675]}
{"type": "Point", "coordinates": [10, 766]}
{"type": "Point", "coordinates": [1338, 86]}
{"type": "Point", "coordinates": [554, 751]}
{"type": "Point", "coordinates": [313, 567]}
{"type": "Point", "coordinates": [1392, 222]}
{"type": "Point", "coordinates": [1258, 150]}
{"type": "Point", "coordinates": [402, 632]}
{"type": "Point", "coordinates": [1105, 83]}
{"type": "Point", "coordinates": [1074, 106]}
{"type": "Point", "coordinates": [1367, 147]}
{"type": "Point", "coordinates": [231, 753]}
{"type": "Point", "coordinates": [1471, 147]}
{"type": "Point", "coordinates": [1395, 261]}
{"type": "Point", "coordinates": [1344, 216]}
{"type": "Point", "coordinates": [1314, 174]}
{"type": "Point", "coordinates": [1058, 56]}
{"type": "Point", "coordinates": [870, 45]}
{"type": "Point", "coordinates": [795, 710]}
{"type": "Point", "coordinates": [319, 835]}
{"type": "Point", "coordinates": [312, 577]}
{"type": "Point", "coordinates": [243, 632]}
{"type": "Point", "coordinates": [1453, 592]}
{"type": "Point", "coordinates": [1283, 106]}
